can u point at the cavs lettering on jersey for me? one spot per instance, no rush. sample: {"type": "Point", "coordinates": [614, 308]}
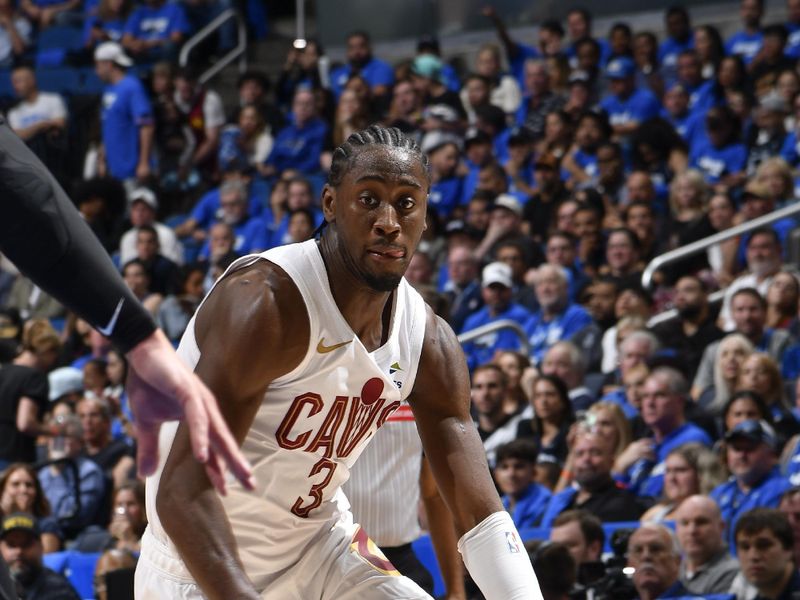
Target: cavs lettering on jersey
{"type": "Point", "coordinates": [313, 422]}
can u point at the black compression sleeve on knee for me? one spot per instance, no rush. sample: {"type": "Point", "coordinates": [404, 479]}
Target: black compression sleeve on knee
{"type": "Point", "coordinates": [43, 234]}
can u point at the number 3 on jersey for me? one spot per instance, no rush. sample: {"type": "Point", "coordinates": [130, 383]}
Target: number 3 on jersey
{"type": "Point", "coordinates": [315, 492]}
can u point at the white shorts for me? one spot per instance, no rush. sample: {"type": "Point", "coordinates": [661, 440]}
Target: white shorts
{"type": "Point", "coordinates": [346, 566]}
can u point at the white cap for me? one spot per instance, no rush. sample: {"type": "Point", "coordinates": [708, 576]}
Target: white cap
{"type": "Point", "coordinates": [496, 272]}
{"type": "Point", "coordinates": [145, 195]}
{"type": "Point", "coordinates": [508, 202]}
{"type": "Point", "coordinates": [112, 51]}
{"type": "Point", "coordinates": [64, 381]}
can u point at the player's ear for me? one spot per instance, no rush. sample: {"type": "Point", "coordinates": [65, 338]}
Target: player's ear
{"type": "Point", "coordinates": [329, 202]}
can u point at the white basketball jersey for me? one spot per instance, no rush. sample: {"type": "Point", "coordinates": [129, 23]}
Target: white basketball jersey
{"type": "Point", "coordinates": [383, 488]}
{"type": "Point", "coordinates": [313, 422]}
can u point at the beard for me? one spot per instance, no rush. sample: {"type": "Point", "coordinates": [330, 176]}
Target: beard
{"type": "Point", "coordinates": [25, 573]}
{"type": "Point", "coordinates": [379, 283]}
{"type": "Point", "coordinates": [382, 283]}
{"type": "Point", "coordinates": [690, 311]}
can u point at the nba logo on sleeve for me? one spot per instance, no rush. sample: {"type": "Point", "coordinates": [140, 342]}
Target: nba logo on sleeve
{"type": "Point", "coordinates": [512, 542]}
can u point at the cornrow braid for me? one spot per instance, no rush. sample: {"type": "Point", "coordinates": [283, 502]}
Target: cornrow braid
{"type": "Point", "coordinates": [372, 135]}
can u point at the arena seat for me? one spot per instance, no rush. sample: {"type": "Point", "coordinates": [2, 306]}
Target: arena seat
{"type": "Point", "coordinates": [77, 567]}
{"type": "Point", "coordinates": [61, 80]}
{"type": "Point", "coordinates": [60, 36]}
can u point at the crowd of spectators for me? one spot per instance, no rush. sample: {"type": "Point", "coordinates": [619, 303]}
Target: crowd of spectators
{"type": "Point", "coordinates": [558, 172]}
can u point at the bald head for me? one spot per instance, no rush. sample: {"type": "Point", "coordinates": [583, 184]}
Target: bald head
{"type": "Point", "coordinates": [700, 530]}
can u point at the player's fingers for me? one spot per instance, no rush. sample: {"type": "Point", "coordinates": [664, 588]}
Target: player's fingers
{"type": "Point", "coordinates": [216, 473]}
{"type": "Point", "coordinates": [225, 447]}
{"type": "Point", "coordinates": [196, 417]}
{"type": "Point", "coordinates": [147, 448]}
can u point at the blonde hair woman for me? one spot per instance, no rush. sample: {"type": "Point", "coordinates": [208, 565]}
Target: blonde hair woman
{"type": "Point", "coordinates": [732, 352]}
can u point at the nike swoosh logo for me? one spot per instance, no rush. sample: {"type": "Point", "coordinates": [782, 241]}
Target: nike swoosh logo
{"type": "Point", "coordinates": [108, 329]}
{"type": "Point", "coordinates": [323, 349]}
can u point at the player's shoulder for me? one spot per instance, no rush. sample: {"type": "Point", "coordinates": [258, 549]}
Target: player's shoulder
{"type": "Point", "coordinates": [256, 299]}
{"type": "Point", "coordinates": [440, 345]}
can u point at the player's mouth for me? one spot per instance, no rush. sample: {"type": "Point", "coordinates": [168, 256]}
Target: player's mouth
{"type": "Point", "coordinates": [387, 253]}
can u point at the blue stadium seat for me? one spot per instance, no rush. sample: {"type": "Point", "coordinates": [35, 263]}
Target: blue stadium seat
{"type": "Point", "coordinates": [60, 36]}
{"type": "Point", "coordinates": [77, 567]}
{"type": "Point", "coordinates": [61, 80]}
{"type": "Point", "coordinates": [5, 84]}
{"type": "Point", "coordinates": [80, 572]}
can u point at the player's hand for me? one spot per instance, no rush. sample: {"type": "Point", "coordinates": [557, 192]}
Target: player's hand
{"type": "Point", "coordinates": [489, 12]}
{"type": "Point", "coordinates": [162, 388]}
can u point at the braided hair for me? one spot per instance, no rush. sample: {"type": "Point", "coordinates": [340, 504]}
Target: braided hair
{"type": "Point", "coordinates": [373, 135]}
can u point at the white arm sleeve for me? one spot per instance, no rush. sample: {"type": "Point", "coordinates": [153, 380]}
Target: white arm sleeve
{"type": "Point", "coordinates": [497, 560]}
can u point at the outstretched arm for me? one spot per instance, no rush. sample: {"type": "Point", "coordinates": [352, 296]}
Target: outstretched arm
{"type": "Point", "coordinates": [237, 330]}
{"type": "Point", "coordinates": [512, 48]}
{"type": "Point", "coordinates": [490, 543]}
{"type": "Point", "coordinates": [48, 240]}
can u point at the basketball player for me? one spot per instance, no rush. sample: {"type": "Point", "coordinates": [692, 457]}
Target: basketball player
{"type": "Point", "coordinates": [43, 234]}
{"type": "Point", "coordinates": [310, 348]}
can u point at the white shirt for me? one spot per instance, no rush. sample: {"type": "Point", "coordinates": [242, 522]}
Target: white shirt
{"type": "Point", "coordinates": [167, 240]}
{"type": "Point", "coordinates": [45, 107]}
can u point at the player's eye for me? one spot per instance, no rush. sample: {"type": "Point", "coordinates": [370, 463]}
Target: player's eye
{"type": "Point", "coordinates": [406, 203]}
{"type": "Point", "coordinates": [368, 200]}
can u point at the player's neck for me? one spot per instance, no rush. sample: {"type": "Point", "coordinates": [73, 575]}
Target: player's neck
{"type": "Point", "coordinates": [364, 309]}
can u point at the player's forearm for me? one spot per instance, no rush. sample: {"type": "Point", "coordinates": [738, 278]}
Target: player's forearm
{"type": "Point", "coordinates": [194, 519]}
{"type": "Point", "coordinates": [48, 240]}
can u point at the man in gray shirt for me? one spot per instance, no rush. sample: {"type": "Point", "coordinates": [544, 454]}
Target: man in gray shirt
{"type": "Point", "coordinates": [707, 567]}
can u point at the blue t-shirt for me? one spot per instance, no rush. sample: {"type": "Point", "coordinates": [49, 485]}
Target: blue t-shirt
{"type": "Point", "coordinates": [482, 349]}
{"type": "Point", "coordinates": [529, 509]}
{"type": "Point", "coordinates": [619, 398]}
{"type": "Point", "coordinates": [790, 151]}
{"type": "Point", "coordinates": [375, 73]}
{"type": "Point", "coordinates": [733, 502]}
{"type": "Point", "coordinates": [701, 97]}
{"type": "Point", "coordinates": [793, 43]}
{"type": "Point", "coordinates": [279, 232]}
{"type": "Point", "coordinates": [636, 108]}
{"type": "Point", "coordinates": [715, 163]}
{"type": "Point", "coordinates": [125, 108]}
{"type": "Point", "coordinates": [208, 209]}
{"type": "Point", "coordinates": [543, 334]}
{"type": "Point", "coordinates": [517, 63]}
{"type": "Point", "coordinates": [299, 147]}
{"type": "Point", "coordinates": [644, 478]}
{"type": "Point", "coordinates": [668, 53]}
{"type": "Point", "coordinates": [586, 161]}
{"type": "Point", "coordinates": [157, 22]}
{"type": "Point", "coordinates": [745, 45]}
{"type": "Point", "coordinates": [558, 503]}
{"type": "Point", "coordinates": [250, 235]}
{"type": "Point", "coordinates": [446, 195]}
{"type": "Point", "coordinates": [690, 126]}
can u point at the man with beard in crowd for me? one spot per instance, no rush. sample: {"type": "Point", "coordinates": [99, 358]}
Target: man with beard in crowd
{"type": "Point", "coordinates": [695, 328]}
{"type": "Point", "coordinates": [23, 551]}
